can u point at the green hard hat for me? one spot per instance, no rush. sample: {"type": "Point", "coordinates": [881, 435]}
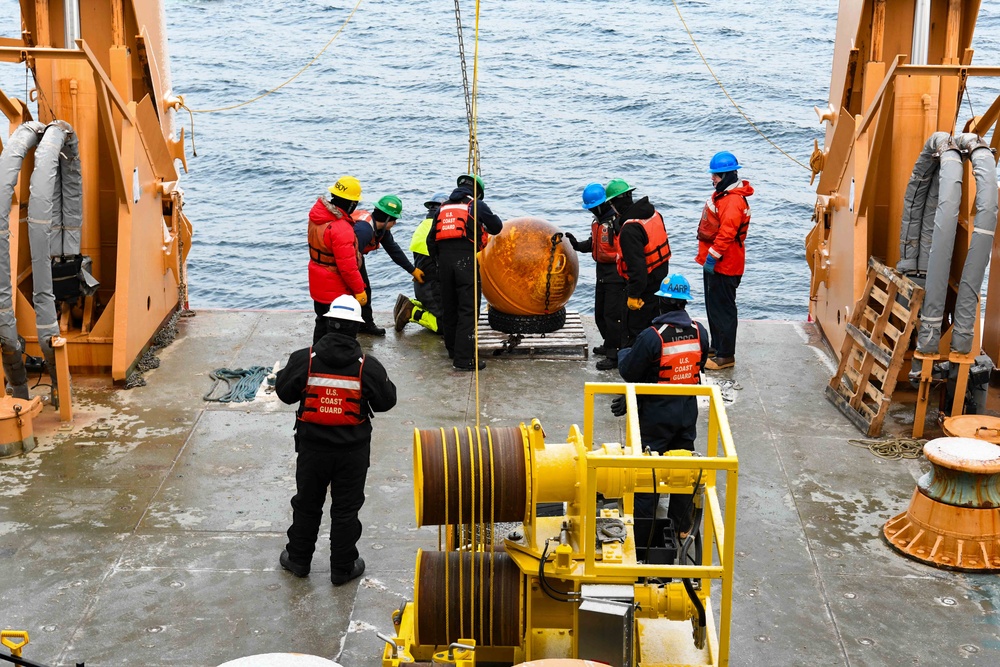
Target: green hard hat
{"type": "Point", "coordinates": [391, 205]}
{"type": "Point", "coordinates": [615, 187]}
{"type": "Point", "coordinates": [466, 179]}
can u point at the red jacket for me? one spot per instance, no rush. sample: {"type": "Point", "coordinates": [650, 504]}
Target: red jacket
{"type": "Point", "coordinates": [334, 259]}
{"type": "Point", "coordinates": [732, 210]}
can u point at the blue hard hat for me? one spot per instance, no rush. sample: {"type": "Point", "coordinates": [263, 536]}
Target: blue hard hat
{"type": "Point", "coordinates": [675, 286]}
{"type": "Point", "coordinates": [722, 162]}
{"type": "Point", "coordinates": [438, 199]}
{"type": "Point", "coordinates": [593, 195]}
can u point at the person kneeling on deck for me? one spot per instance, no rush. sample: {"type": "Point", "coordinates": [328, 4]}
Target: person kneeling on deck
{"type": "Point", "coordinates": [671, 351]}
{"type": "Point", "coordinates": [643, 256]}
{"type": "Point", "coordinates": [338, 388]}
{"type": "Point", "coordinates": [425, 308]}
{"type": "Point", "coordinates": [373, 231]}
{"type": "Point", "coordinates": [722, 235]}
{"type": "Point", "coordinates": [453, 241]}
{"type": "Point", "coordinates": [334, 258]}
{"type": "Point", "coordinates": [609, 294]}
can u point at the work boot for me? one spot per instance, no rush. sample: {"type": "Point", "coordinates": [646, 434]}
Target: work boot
{"type": "Point", "coordinates": [718, 363]}
{"type": "Point", "coordinates": [403, 313]}
{"type": "Point", "coordinates": [607, 364]}
{"type": "Point", "coordinates": [601, 351]}
{"type": "Point", "coordinates": [287, 563]}
{"type": "Point", "coordinates": [711, 352]}
{"type": "Point", "coordinates": [400, 302]}
{"type": "Point", "coordinates": [371, 329]}
{"type": "Point", "coordinates": [340, 577]}
{"type": "Point", "coordinates": [470, 366]}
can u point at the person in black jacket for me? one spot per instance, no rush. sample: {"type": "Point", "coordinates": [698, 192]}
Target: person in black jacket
{"type": "Point", "coordinates": [671, 351]}
{"type": "Point", "coordinates": [644, 254]}
{"type": "Point", "coordinates": [338, 389]}
{"type": "Point", "coordinates": [453, 241]}
{"type": "Point", "coordinates": [609, 293]}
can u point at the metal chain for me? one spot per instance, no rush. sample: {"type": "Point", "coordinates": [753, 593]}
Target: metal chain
{"type": "Point", "coordinates": [473, 141]}
{"type": "Point", "coordinates": [556, 240]}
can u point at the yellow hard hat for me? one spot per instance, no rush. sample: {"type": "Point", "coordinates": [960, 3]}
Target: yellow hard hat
{"type": "Point", "coordinates": [347, 187]}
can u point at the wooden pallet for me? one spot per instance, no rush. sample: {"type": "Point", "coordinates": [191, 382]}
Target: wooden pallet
{"type": "Point", "coordinates": [570, 342]}
{"type": "Point", "coordinates": [878, 336]}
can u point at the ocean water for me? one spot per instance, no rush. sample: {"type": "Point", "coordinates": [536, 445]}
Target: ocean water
{"type": "Point", "coordinates": [570, 92]}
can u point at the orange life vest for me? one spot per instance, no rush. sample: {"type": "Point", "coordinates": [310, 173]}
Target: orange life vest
{"type": "Point", "coordinates": [375, 242]}
{"type": "Point", "coordinates": [333, 400]}
{"type": "Point", "coordinates": [657, 250]}
{"type": "Point", "coordinates": [708, 227]}
{"type": "Point", "coordinates": [453, 222]}
{"type": "Point", "coordinates": [318, 250]}
{"type": "Point", "coordinates": [680, 355]}
{"type": "Point", "coordinates": [602, 245]}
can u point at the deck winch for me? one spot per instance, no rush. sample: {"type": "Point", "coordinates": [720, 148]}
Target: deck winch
{"type": "Point", "coordinates": [509, 585]}
{"type": "Point", "coordinates": [953, 521]}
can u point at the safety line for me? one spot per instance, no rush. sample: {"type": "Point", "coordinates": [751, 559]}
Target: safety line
{"type": "Point", "coordinates": [288, 81]}
{"type": "Point", "coordinates": [726, 92]}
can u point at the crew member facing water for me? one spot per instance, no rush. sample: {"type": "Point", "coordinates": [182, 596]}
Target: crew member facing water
{"type": "Point", "coordinates": [454, 239]}
{"type": "Point", "coordinates": [374, 231]}
{"type": "Point", "coordinates": [334, 258]}
{"type": "Point", "coordinates": [643, 254]}
{"type": "Point", "coordinates": [338, 389]}
{"type": "Point", "coordinates": [425, 308]}
{"type": "Point", "coordinates": [722, 234]}
{"type": "Point", "coordinates": [609, 294]}
{"type": "Point", "coordinates": [671, 351]}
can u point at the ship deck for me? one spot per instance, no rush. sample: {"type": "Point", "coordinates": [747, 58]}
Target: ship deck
{"type": "Point", "coordinates": [149, 534]}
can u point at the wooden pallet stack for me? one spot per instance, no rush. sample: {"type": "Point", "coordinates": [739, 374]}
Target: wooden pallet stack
{"type": "Point", "coordinates": [878, 337]}
{"type": "Point", "coordinates": [569, 342]}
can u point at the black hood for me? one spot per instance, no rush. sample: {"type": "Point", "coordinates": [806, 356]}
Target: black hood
{"type": "Point", "coordinates": [639, 210]}
{"type": "Point", "coordinates": [336, 349]}
{"type": "Point", "coordinates": [675, 318]}
{"type": "Point", "coordinates": [461, 193]}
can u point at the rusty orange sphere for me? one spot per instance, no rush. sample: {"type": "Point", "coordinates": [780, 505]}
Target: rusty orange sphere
{"type": "Point", "coordinates": [518, 264]}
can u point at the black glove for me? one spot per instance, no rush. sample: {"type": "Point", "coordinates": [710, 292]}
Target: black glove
{"type": "Point", "coordinates": [618, 407]}
{"type": "Point", "coordinates": [572, 241]}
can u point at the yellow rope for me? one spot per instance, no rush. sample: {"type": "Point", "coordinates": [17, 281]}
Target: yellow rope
{"type": "Point", "coordinates": [726, 92]}
{"type": "Point", "coordinates": [478, 227]}
{"type": "Point", "coordinates": [892, 449]}
{"type": "Point", "coordinates": [288, 81]}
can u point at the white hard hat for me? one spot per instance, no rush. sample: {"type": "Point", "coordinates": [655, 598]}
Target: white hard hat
{"type": "Point", "coordinates": [345, 307]}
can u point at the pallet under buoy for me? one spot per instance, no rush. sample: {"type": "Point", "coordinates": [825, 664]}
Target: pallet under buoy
{"type": "Point", "coordinates": [569, 342]}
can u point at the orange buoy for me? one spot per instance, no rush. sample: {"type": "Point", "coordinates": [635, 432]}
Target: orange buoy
{"type": "Point", "coordinates": [529, 268]}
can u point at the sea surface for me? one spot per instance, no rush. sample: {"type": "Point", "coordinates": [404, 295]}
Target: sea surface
{"type": "Point", "coordinates": [570, 92]}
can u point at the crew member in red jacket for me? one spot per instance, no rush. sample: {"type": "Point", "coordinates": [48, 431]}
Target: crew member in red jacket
{"type": "Point", "coordinates": [722, 234]}
{"type": "Point", "coordinates": [334, 257]}
{"type": "Point", "coordinates": [338, 389]}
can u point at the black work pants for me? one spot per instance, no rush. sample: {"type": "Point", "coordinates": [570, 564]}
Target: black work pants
{"type": "Point", "coordinates": [343, 470]}
{"type": "Point", "coordinates": [319, 329]}
{"type": "Point", "coordinates": [428, 293]}
{"type": "Point", "coordinates": [723, 317]}
{"type": "Point", "coordinates": [609, 307]}
{"type": "Point", "coordinates": [661, 438]}
{"type": "Point", "coordinates": [366, 310]}
{"type": "Point", "coordinates": [459, 300]}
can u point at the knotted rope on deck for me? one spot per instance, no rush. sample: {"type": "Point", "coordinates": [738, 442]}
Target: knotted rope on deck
{"type": "Point", "coordinates": [892, 449]}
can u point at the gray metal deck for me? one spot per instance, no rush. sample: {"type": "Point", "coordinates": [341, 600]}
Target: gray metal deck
{"type": "Point", "coordinates": [150, 534]}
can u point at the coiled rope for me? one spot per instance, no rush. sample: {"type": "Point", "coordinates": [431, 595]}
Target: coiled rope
{"type": "Point", "coordinates": [241, 384]}
{"type": "Point", "coordinates": [892, 449]}
{"type": "Point", "coordinates": [726, 92]}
